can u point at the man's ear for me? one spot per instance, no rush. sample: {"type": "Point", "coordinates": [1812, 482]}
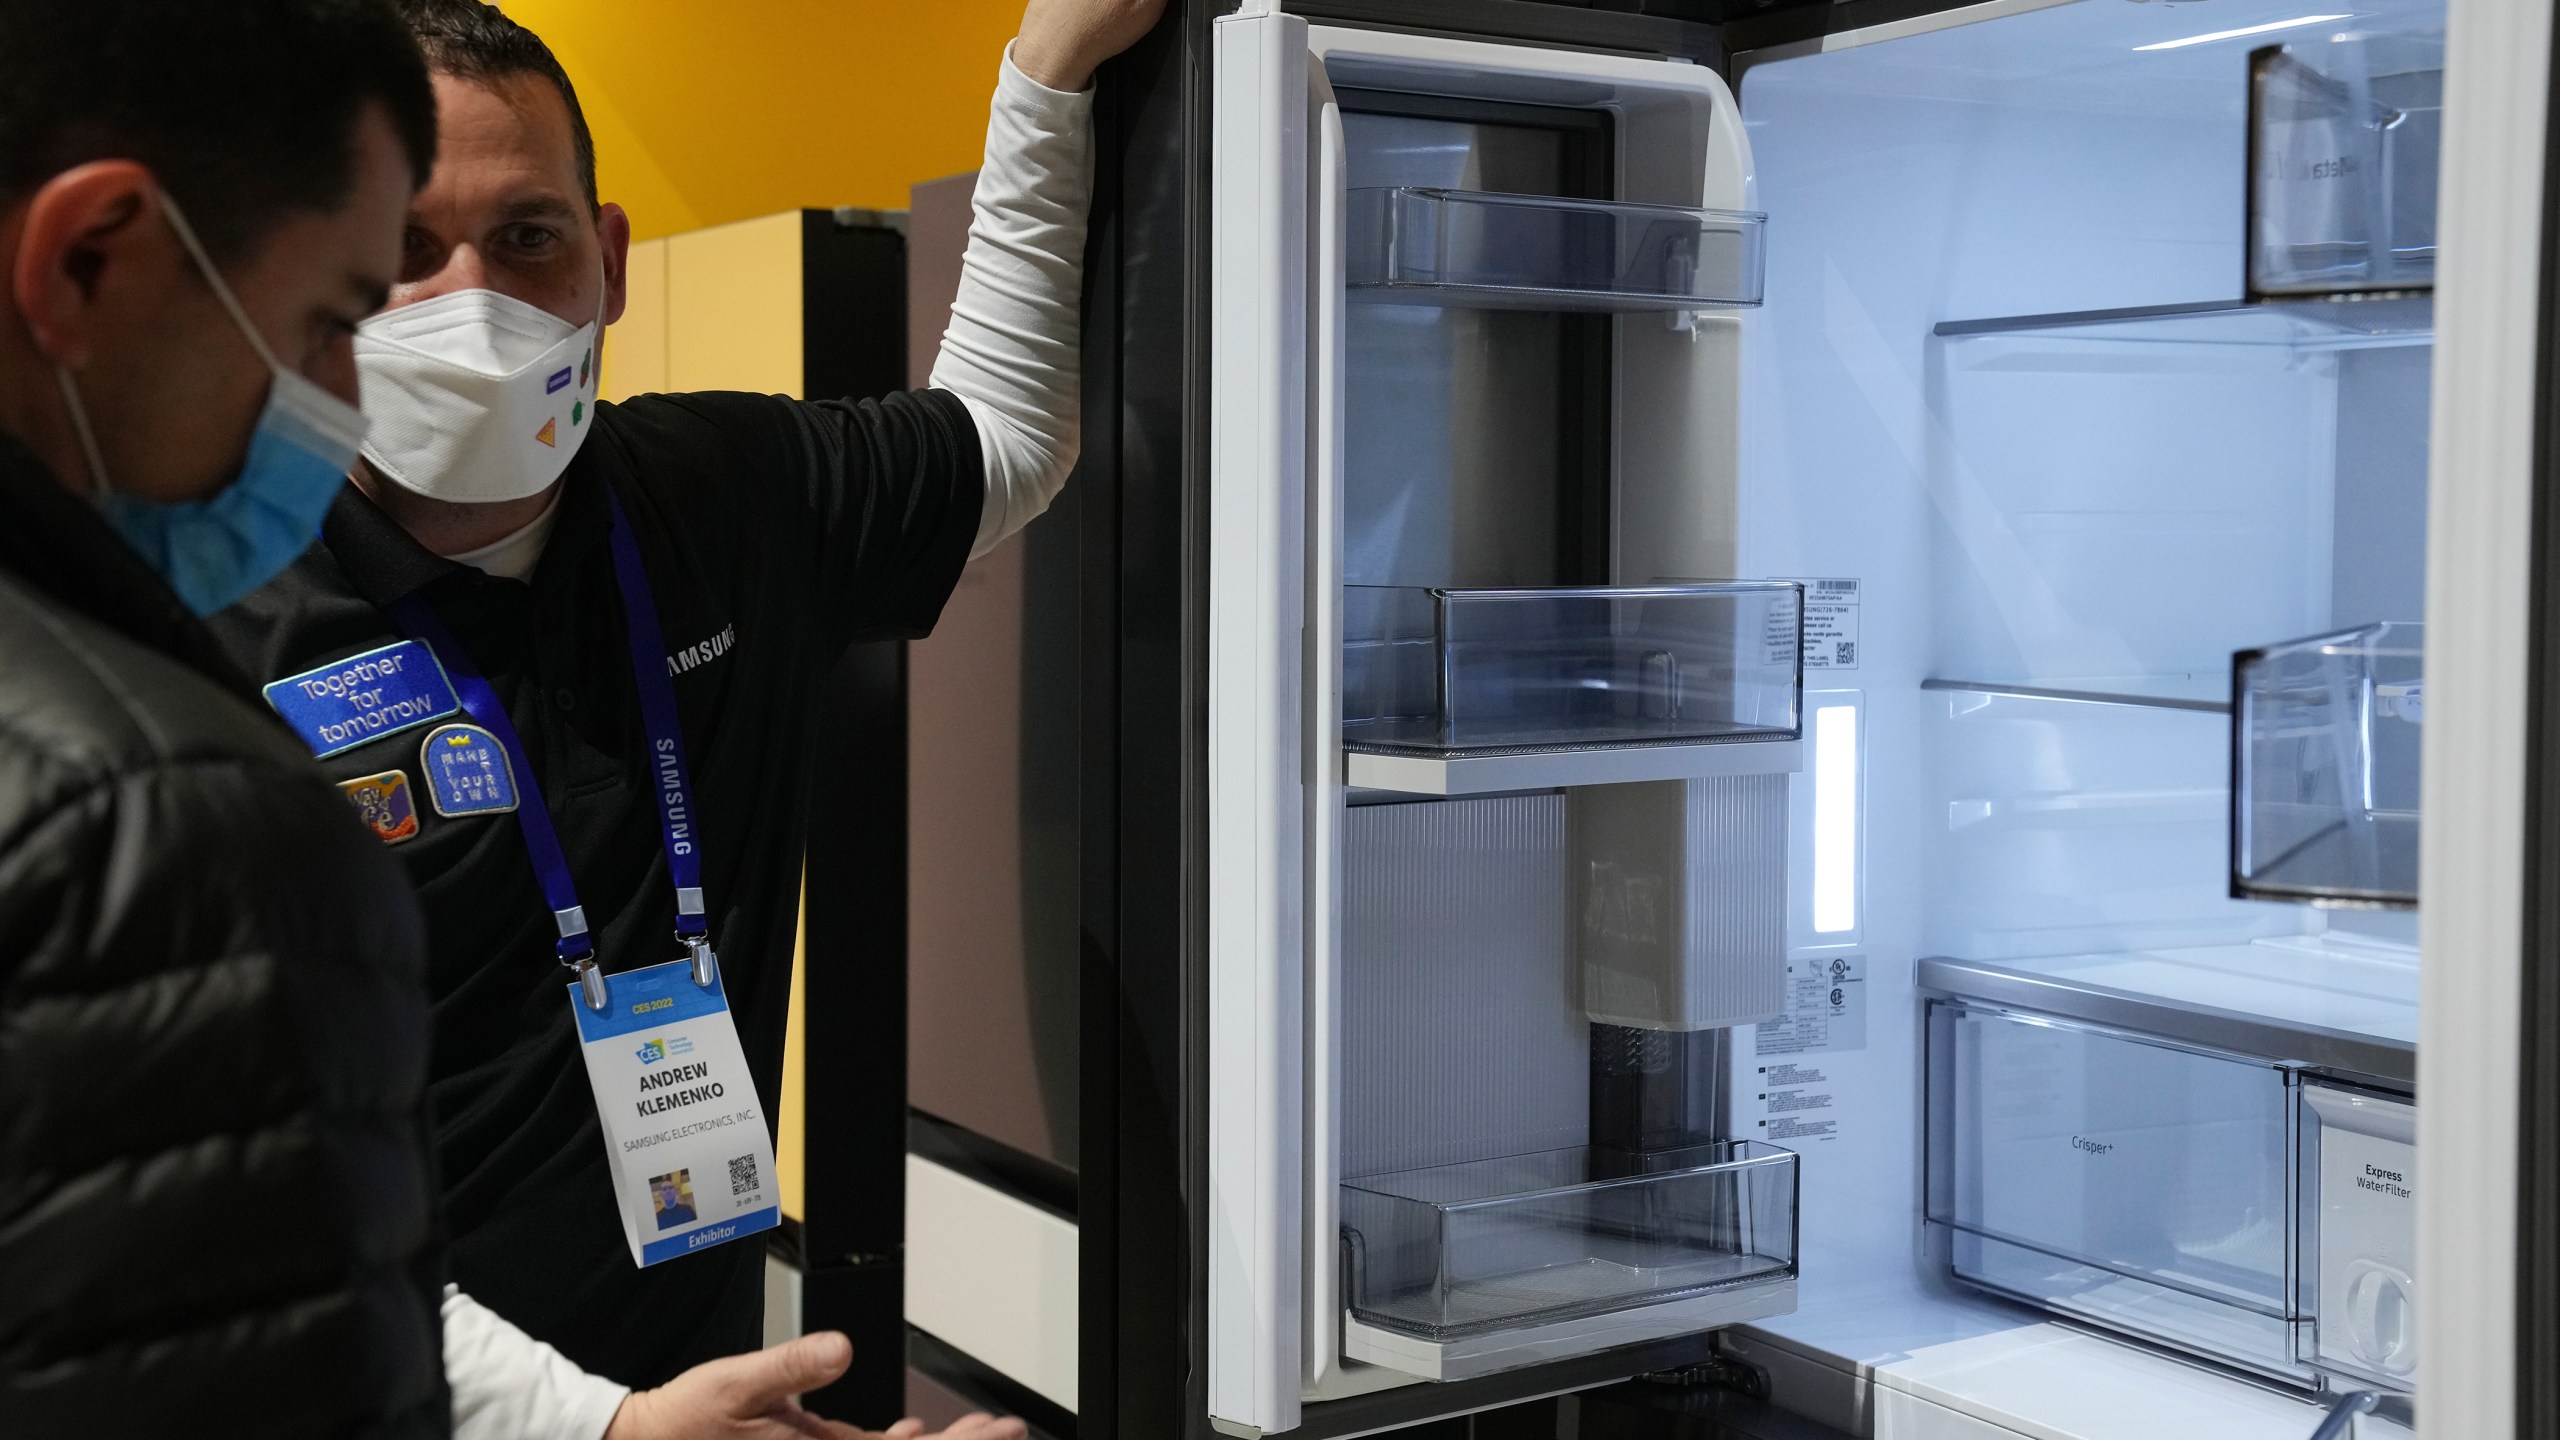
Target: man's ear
{"type": "Point", "coordinates": [613, 231]}
{"type": "Point", "coordinates": [81, 233]}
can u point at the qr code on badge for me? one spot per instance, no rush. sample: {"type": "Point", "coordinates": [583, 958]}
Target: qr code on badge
{"type": "Point", "coordinates": [742, 1175]}
{"type": "Point", "coordinates": [1844, 652]}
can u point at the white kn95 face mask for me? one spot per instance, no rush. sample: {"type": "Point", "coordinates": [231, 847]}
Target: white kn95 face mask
{"type": "Point", "coordinates": [475, 396]}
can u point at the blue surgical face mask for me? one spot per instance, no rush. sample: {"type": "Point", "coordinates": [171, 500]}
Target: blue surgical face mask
{"type": "Point", "coordinates": [214, 551]}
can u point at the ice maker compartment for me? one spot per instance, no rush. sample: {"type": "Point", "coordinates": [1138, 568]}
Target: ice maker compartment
{"type": "Point", "coordinates": [1532, 1240]}
{"type": "Point", "coordinates": [1436, 670]}
{"type": "Point", "coordinates": [1428, 246]}
{"type": "Point", "coordinates": [2325, 737]}
{"type": "Point", "coordinates": [2343, 139]}
{"type": "Point", "coordinates": [2136, 1184]}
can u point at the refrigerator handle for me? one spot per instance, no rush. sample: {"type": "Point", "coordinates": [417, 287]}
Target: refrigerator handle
{"type": "Point", "coordinates": [1256, 818]}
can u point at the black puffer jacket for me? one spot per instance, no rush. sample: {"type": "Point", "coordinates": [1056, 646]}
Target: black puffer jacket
{"type": "Point", "coordinates": [216, 1207]}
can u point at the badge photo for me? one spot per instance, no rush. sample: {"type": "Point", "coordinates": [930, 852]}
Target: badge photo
{"type": "Point", "coordinates": [467, 772]}
{"type": "Point", "coordinates": [384, 804]}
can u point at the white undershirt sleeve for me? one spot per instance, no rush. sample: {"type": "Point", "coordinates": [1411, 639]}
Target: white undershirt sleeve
{"type": "Point", "coordinates": [1010, 353]}
{"type": "Point", "coordinates": [509, 1386]}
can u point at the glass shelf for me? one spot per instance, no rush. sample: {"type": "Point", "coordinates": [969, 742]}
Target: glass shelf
{"type": "Point", "coordinates": [2209, 695]}
{"type": "Point", "coordinates": [1422, 246]}
{"type": "Point", "coordinates": [1532, 1240]}
{"type": "Point", "coordinates": [1433, 671]}
{"type": "Point", "coordinates": [2324, 768]}
{"type": "Point", "coordinates": [2327, 322]}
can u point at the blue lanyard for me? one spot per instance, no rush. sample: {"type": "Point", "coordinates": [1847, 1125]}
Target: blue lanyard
{"type": "Point", "coordinates": [670, 780]}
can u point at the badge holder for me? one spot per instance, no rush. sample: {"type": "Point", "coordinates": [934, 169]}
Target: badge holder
{"type": "Point", "coordinates": [693, 932]}
{"type": "Point", "coordinates": [686, 1140]}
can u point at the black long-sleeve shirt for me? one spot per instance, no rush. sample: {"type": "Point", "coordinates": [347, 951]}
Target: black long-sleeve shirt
{"type": "Point", "coordinates": [774, 532]}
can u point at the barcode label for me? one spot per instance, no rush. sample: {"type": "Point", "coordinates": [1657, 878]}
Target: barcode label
{"type": "Point", "coordinates": [1831, 623]}
{"type": "Point", "coordinates": [742, 1176]}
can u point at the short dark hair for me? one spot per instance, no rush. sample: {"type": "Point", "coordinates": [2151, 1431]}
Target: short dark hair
{"type": "Point", "coordinates": [246, 110]}
{"type": "Point", "coordinates": [472, 41]}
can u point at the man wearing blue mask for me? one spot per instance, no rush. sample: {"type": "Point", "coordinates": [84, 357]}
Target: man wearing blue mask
{"type": "Point", "coordinates": [217, 1203]}
{"type": "Point", "coordinates": [639, 603]}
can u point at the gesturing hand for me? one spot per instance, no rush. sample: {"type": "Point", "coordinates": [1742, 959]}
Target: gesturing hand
{"type": "Point", "coordinates": [967, 1427]}
{"type": "Point", "coordinates": [749, 1397]}
{"type": "Point", "coordinates": [1063, 41]}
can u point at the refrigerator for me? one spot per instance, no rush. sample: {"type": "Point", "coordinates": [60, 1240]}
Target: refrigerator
{"type": "Point", "coordinates": [1753, 698]}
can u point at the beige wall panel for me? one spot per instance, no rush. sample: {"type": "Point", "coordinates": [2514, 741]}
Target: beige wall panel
{"type": "Point", "coordinates": [635, 349]}
{"type": "Point", "coordinates": [734, 307]}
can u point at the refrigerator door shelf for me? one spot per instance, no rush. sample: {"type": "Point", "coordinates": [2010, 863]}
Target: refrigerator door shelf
{"type": "Point", "coordinates": [1490, 772]}
{"type": "Point", "coordinates": [1418, 245]}
{"type": "Point", "coordinates": [1470, 1268]}
{"type": "Point", "coordinates": [1441, 670]}
{"type": "Point", "coordinates": [1500, 1350]}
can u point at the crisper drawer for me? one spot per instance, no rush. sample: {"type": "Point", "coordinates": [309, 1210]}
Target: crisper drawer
{"type": "Point", "coordinates": [1462, 1270]}
{"type": "Point", "coordinates": [2145, 1186]}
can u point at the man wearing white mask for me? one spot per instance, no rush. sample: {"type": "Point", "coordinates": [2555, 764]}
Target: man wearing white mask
{"type": "Point", "coordinates": [634, 606]}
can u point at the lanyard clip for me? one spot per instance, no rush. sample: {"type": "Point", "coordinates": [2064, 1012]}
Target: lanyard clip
{"type": "Point", "coordinates": [590, 982]}
{"type": "Point", "coordinates": [706, 965]}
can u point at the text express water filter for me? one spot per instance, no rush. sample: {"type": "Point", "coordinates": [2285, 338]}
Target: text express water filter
{"type": "Point", "coordinates": [2365, 1185]}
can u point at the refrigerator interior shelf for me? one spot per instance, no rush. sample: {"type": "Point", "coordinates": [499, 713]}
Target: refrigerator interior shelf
{"type": "Point", "coordinates": [1470, 1257]}
{"type": "Point", "coordinates": [2209, 695]}
{"type": "Point", "coordinates": [1437, 772]}
{"type": "Point", "coordinates": [2341, 322]}
{"type": "Point", "coordinates": [2333, 1005]}
{"type": "Point", "coordinates": [1419, 245]}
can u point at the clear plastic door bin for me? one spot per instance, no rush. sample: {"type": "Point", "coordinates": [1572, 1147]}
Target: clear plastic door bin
{"type": "Point", "coordinates": [1425, 246]}
{"type": "Point", "coordinates": [2325, 736]}
{"type": "Point", "coordinates": [1441, 670]}
{"type": "Point", "coordinates": [2343, 138]}
{"type": "Point", "coordinates": [1490, 1245]}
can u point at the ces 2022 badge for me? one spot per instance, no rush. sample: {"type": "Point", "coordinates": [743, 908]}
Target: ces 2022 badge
{"type": "Point", "coordinates": [691, 1152]}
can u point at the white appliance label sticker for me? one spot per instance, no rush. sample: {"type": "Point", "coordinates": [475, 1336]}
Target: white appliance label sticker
{"type": "Point", "coordinates": [1826, 1007]}
{"type": "Point", "coordinates": [1831, 624]}
{"type": "Point", "coordinates": [1795, 1104]}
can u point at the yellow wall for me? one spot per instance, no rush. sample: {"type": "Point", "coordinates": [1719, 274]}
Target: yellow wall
{"type": "Point", "coordinates": [709, 112]}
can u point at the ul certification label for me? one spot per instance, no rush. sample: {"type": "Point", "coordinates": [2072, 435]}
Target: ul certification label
{"type": "Point", "coordinates": [1830, 624]}
{"type": "Point", "coordinates": [1826, 1007]}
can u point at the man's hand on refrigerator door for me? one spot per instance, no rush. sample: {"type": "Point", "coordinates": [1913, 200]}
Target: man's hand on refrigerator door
{"type": "Point", "coordinates": [1064, 41]}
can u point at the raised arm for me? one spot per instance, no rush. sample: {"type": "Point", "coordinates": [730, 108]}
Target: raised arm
{"type": "Point", "coordinates": [1010, 353]}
